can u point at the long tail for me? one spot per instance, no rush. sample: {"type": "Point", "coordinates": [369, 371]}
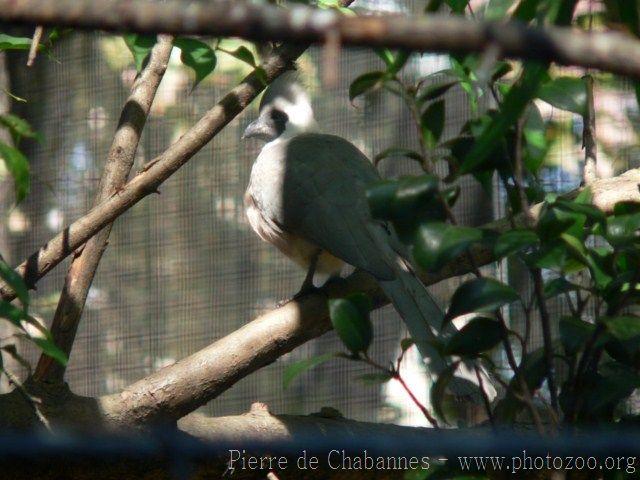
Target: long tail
{"type": "Point", "coordinates": [424, 319]}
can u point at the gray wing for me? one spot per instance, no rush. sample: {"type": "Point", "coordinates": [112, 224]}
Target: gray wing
{"type": "Point", "coordinates": [324, 201]}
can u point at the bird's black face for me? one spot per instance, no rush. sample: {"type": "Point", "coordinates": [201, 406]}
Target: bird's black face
{"type": "Point", "coordinates": [271, 123]}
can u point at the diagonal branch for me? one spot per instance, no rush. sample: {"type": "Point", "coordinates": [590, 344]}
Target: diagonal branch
{"type": "Point", "coordinates": [117, 168]}
{"type": "Point", "coordinates": [177, 390]}
{"type": "Point", "coordinates": [155, 172]}
{"type": "Point", "coordinates": [614, 52]}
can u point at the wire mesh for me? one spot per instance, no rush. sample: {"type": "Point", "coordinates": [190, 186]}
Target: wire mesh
{"type": "Point", "coordinates": [183, 268]}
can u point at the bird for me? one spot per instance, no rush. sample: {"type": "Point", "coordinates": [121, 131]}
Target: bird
{"type": "Point", "coordinates": [307, 197]}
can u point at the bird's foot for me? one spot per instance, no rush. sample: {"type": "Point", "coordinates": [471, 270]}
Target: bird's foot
{"type": "Point", "coordinates": [304, 291]}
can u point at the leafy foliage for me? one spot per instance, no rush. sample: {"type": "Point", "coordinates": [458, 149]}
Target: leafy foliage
{"type": "Point", "coordinates": [198, 56]}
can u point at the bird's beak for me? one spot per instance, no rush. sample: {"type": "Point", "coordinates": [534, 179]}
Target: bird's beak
{"type": "Point", "coordinates": [257, 129]}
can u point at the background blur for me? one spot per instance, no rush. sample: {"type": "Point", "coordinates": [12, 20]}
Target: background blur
{"type": "Point", "coordinates": [183, 268]}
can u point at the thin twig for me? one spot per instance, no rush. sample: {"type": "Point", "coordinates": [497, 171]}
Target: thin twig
{"type": "Point", "coordinates": [589, 144]}
{"type": "Point", "coordinates": [485, 397]}
{"type": "Point", "coordinates": [518, 174]}
{"type": "Point", "coordinates": [31, 401]}
{"type": "Point", "coordinates": [35, 43]}
{"type": "Point", "coordinates": [395, 373]}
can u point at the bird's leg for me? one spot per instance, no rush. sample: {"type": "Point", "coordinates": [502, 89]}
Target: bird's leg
{"type": "Point", "coordinates": [307, 284]}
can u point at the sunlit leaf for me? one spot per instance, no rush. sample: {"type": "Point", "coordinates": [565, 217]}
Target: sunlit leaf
{"type": "Point", "coordinates": [197, 55]}
{"type": "Point", "coordinates": [9, 42]}
{"type": "Point", "coordinates": [243, 54]}
{"type": "Point", "coordinates": [140, 46]}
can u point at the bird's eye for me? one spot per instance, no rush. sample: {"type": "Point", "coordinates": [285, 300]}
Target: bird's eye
{"type": "Point", "coordinates": [279, 117]}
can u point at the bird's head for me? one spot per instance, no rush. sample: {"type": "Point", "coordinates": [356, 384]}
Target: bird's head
{"type": "Point", "coordinates": [285, 110]}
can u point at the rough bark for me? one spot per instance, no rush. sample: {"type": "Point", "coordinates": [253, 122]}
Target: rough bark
{"type": "Point", "coordinates": [118, 165]}
{"type": "Point", "coordinates": [612, 52]}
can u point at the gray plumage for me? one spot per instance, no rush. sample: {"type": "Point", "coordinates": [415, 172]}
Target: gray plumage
{"type": "Point", "coordinates": [307, 192]}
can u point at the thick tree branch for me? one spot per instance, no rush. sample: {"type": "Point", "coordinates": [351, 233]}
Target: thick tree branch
{"type": "Point", "coordinates": [614, 52]}
{"type": "Point", "coordinates": [116, 171]}
{"type": "Point", "coordinates": [155, 172]}
{"type": "Point", "coordinates": [174, 391]}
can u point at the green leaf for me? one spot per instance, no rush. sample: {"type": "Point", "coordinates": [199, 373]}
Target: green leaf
{"type": "Point", "coordinates": [297, 368]}
{"type": "Point", "coordinates": [353, 328]}
{"type": "Point", "coordinates": [623, 229]}
{"type": "Point", "coordinates": [432, 123]}
{"type": "Point", "coordinates": [557, 286]}
{"type": "Point", "coordinates": [439, 389]}
{"type": "Point", "coordinates": [457, 6]}
{"type": "Point", "coordinates": [434, 91]}
{"type": "Point", "coordinates": [536, 144]}
{"type": "Point", "coordinates": [526, 10]}
{"type": "Point", "coordinates": [385, 55]}
{"type": "Point", "coordinates": [555, 221]}
{"type": "Point", "coordinates": [579, 252]}
{"type": "Point", "coordinates": [406, 344]}
{"type": "Point", "coordinates": [591, 212]}
{"type": "Point", "coordinates": [243, 54]}
{"type": "Point", "coordinates": [512, 107]}
{"type": "Point", "coordinates": [397, 152]}
{"type": "Point", "coordinates": [197, 55]}
{"type": "Point", "coordinates": [12, 313]}
{"type": "Point", "coordinates": [514, 241]}
{"type": "Point", "coordinates": [366, 83]}
{"type": "Point", "coordinates": [362, 301]}
{"type": "Point", "coordinates": [565, 93]}
{"type": "Point", "coordinates": [399, 61]}
{"type": "Point", "coordinates": [574, 333]}
{"type": "Point", "coordinates": [9, 42]}
{"type": "Point", "coordinates": [606, 392]}
{"type": "Point", "coordinates": [479, 335]}
{"type": "Point", "coordinates": [18, 167]}
{"type": "Point", "coordinates": [438, 243]}
{"type": "Point", "coordinates": [533, 371]}
{"type": "Point", "coordinates": [140, 46]}
{"type": "Point", "coordinates": [381, 198]}
{"type": "Point", "coordinates": [19, 128]}
{"type": "Point", "coordinates": [50, 348]}
{"type": "Point", "coordinates": [480, 295]}
{"type": "Point", "coordinates": [433, 6]}
{"type": "Point", "coordinates": [497, 9]}
{"type": "Point", "coordinates": [626, 208]}
{"type": "Point", "coordinates": [375, 378]}
{"type": "Point", "coordinates": [623, 328]}
{"type": "Point", "coordinates": [15, 281]}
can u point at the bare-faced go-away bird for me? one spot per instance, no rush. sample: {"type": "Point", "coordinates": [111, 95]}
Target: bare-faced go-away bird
{"type": "Point", "coordinates": [307, 197]}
